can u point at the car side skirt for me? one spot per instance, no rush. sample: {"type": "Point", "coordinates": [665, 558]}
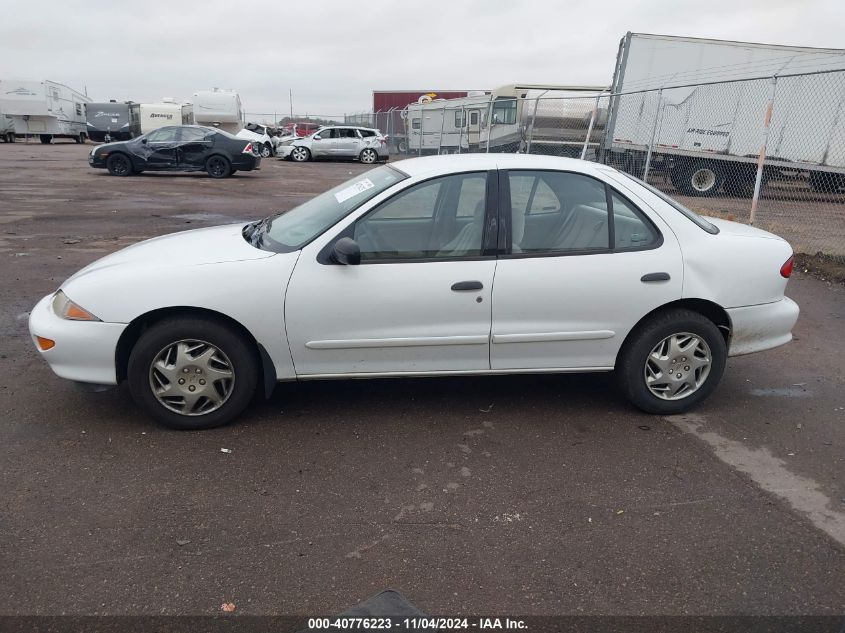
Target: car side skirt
{"type": "Point", "coordinates": [461, 372]}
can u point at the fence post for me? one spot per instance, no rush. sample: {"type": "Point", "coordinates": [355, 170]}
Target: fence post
{"type": "Point", "coordinates": [758, 179]}
{"type": "Point", "coordinates": [590, 126]}
{"type": "Point", "coordinates": [442, 122]}
{"type": "Point", "coordinates": [531, 126]}
{"type": "Point", "coordinates": [464, 123]}
{"type": "Point", "coordinates": [489, 124]}
{"type": "Point", "coordinates": [653, 134]}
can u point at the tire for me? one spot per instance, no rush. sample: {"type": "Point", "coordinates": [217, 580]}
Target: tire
{"type": "Point", "coordinates": [266, 150]}
{"type": "Point", "coordinates": [46, 139]}
{"type": "Point", "coordinates": [697, 178]}
{"type": "Point", "coordinates": [637, 365]}
{"type": "Point", "coordinates": [368, 156]}
{"type": "Point", "coordinates": [119, 165]}
{"type": "Point", "coordinates": [300, 154]}
{"type": "Point", "coordinates": [205, 348]}
{"type": "Point", "coordinates": [218, 166]}
{"type": "Point", "coordinates": [80, 139]}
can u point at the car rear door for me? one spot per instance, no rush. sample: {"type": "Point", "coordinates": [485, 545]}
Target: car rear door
{"type": "Point", "coordinates": [584, 263]}
{"type": "Point", "coordinates": [195, 145]}
{"type": "Point", "coordinates": [348, 142]}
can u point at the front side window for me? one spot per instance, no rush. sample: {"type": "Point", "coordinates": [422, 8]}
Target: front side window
{"type": "Point", "coordinates": [557, 212]}
{"type": "Point", "coordinates": [327, 134]}
{"type": "Point", "coordinates": [292, 230]}
{"type": "Point", "coordinates": [436, 219]}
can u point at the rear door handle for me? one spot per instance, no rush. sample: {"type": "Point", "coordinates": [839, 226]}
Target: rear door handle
{"type": "Point", "coordinates": [650, 277]}
{"type": "Point", "coordinates": [461, 286]}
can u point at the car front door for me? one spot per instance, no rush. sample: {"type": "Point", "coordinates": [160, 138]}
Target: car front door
{"type": "Point", "coordinates": [419, 301]}
{"type": "Point", "coordinates": [324, 143]}
{"type": "Point", "coordinates": [585, 264]}
{"type": "Point", "coordinates": [159, 148]}
{"type": "Point", "coordinates": [195, 145]}
{"type": "Point", "coordinates": [348, 142]}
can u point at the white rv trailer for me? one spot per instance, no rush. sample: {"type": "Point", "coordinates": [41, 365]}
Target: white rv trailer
{"type": "Point", "coordinates": [551, 119]}
{"type": "Point", "coordinates": [219, 108]}
{"type": "Point", "coordinates": [156, 115]}
{"type": "Point", "coordinates": [445, 125]}
{"type": "Point", "coordinates": [707, 136]}
{"type": "Point", "coordinates": [45, 109]}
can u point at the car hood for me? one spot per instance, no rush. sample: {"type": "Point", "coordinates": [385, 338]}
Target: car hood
{"type": "Point", "coordinates": [210, 245]}
{"type": "Point", "coordinates": [742, 230]}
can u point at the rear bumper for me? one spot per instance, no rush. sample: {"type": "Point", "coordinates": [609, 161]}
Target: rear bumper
{"type": "Point", "coordinates": [761, 327]}
{"type": "Point", "coordinates": [84, 350]}
{"type": "Point", "coordinates": [246, 162]}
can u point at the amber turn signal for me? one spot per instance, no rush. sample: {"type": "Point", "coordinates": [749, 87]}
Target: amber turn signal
{"type": "Point", "coordinates": [44, 343]}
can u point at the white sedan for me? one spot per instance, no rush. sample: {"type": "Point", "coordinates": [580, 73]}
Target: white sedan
{"type": "Point", "coordinates": [472, 264]}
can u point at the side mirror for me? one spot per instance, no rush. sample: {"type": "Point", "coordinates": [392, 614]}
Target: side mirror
{"type": "Point", "coordinates": [317, 137]}
{"type": "Point", "coordinates": [347, 252]}
{"type": "Point", "coordinates": [144, 141]}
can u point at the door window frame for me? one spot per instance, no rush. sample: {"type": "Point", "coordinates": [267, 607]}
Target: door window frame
{"type": "Point", "coordinates": [490, 235]}
{"type": "Point", "coordinates": [505, 237]}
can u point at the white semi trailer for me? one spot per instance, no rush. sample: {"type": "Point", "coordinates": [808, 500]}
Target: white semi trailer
{"type": "Point", "coordinates": [709, 137]}
{"type": "Point", "coordinates": [219, 108]}
{"type": "Point", "coordinates": [44, 109]}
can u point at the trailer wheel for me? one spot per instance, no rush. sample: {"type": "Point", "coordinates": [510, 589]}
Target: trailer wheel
{"type": "Point", "coordinates": [697, 177]}
{"type": "Point", "coordinates": [46, 138]}
{"type": "Point", "coordinates": [80, 139]}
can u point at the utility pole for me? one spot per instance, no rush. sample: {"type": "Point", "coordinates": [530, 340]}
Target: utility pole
{"type": "Point", "coordinates": [290, 92]}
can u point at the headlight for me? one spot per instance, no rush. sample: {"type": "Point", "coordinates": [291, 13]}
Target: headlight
{"type": "Point", "coordinates": [67, 309]}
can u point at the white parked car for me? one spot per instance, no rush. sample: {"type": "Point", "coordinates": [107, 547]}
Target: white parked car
{"type": "Point", "coordinates": [260, 134]}
{"type": "Point", "coordinates": [339, 141]}
{"type": "Point", "coordinates": [471, 264]}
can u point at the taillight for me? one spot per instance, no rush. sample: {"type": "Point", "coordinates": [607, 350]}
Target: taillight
{"type": "Point", "coordinates": [247, 149]}
{"type": "Point", "coordinates": [786, 269]}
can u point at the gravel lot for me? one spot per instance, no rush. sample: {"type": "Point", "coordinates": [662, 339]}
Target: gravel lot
{"type": "Point", "coordinates": [529, 495]}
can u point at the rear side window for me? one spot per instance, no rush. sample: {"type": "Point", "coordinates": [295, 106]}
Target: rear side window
{"type": "Point", "coordinates": [631, 230]}
{"type": "Point", "coordinates": [687, 213]}
{"type": "Point", "coordinates": [366, 133]}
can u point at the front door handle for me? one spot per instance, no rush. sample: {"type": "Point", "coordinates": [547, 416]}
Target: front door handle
{"type": "Point", "coordinates": [655, 277]}
{"type": "Point", "coordinates": [462, 286]}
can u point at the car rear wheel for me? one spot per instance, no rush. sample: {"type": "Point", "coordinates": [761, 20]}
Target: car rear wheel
{"type": "Point", "coordinates": [368, 156]}
{"type": "Point", "coordinates": [671, 362]}
{"type": "Point", "coordinates": [218, 167]}
{"type": "Point", "coordinates": [300, 154]}
{"type": "Point", "coordinates": [119, 165]}
{"type": "Point", "coordinates": [190, 373]}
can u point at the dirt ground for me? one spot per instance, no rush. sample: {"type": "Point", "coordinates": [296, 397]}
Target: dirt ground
{"type": "Point", "coordinates": [537, 495]}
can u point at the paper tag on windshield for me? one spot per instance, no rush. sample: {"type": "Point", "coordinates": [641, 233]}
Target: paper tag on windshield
{"type": "Point", "coordinates": [350, 192]}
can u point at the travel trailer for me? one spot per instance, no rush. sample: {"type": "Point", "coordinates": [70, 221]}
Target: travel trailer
{"type": "Point", "coordinates": [219, 108]}
{"type": "Point", "coordinates": [544, 119]}
{"type": "Point", "coordinates": [709, 136]}
{"type": "Point", "coordinates": [113, 121]}
{"type": "Point", "coordinates": [45, 109]}
{"type": "Point", "coordinates": [168, 112]}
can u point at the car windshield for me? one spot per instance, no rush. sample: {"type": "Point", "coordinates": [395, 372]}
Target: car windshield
{"type": "Point", "coordinates": [292, 230]}
{"type": "Point", "coordinates": [687, 213]}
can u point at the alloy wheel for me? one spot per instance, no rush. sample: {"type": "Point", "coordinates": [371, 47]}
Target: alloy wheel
{"type": "Point", "coordinates": [191, 377]}
{"type": "Point", "coordinates": [677, 366]}
{"type": "Point", "coordinates": [368, 156]}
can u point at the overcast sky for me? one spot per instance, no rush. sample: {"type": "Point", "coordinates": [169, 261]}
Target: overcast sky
{"type": "Point", "coordinates": [333, 53]}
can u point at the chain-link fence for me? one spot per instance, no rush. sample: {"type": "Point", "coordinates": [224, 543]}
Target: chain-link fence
{"type": "Point", "coordinates": [767, 151]}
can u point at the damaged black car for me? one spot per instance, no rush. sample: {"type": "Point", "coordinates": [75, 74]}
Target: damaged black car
{"type": "Point", "coordinates": [178, 148]}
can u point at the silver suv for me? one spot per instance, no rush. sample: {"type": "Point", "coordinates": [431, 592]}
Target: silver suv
{"type": "Point", "coordinates": [342, 141]}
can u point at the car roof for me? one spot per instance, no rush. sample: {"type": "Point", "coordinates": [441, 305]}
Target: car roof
{"type": "Point", "coordinates": [436, 165]}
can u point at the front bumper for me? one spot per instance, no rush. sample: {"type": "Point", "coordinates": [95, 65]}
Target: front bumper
{"type": "Point", "coordinates": [283, 151]}
{"type": "Point", "coordinates": [762, 327]}
{"type": "Point", "coordinates": [84, 350]}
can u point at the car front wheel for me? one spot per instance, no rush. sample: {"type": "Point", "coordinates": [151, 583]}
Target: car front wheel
{"type": "Point", "coordinates": [119, 165]}
{"type": "Point", "coordinates": [190, 373]}
{"type": "Point", "coordinates": [300, 154]}
{"type": "Point", "coordinates": [671, 362]}
{"type": "Point", "coordinates": [266, 150]}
